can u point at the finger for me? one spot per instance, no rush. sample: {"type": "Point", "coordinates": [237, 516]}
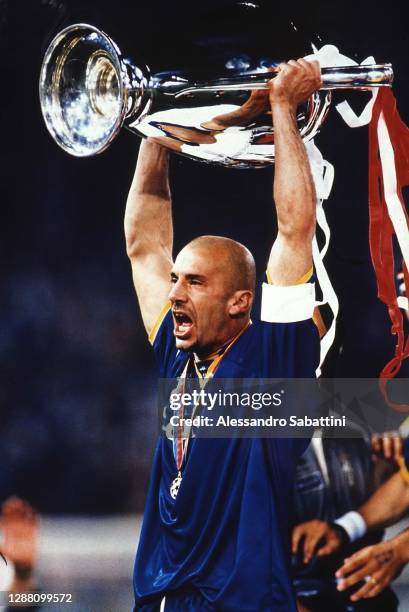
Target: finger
{"type": "Point", "coordinates": [397, 447]}
{"type": "Point", "coordinates": [381, 582]}
{"type": "Point", "coordinates": [360, 574]}
{"type": "Point", "coordinates": [376, 443]}
{"type": "Point", "coordinates": [328, 549]}
{"type": "Point", "coordinates": [310, 544]}
{"type": "Point", "coordinates": [387, 447]}
{"type": "Point", "coordinates": [365, 589]}
{"type": "Point", "coordinates": [293, 65]}
{"type": "Point", "coordinates": [309, 66]}
{"type": "Point", "coordinates": [352, 563]}
{"type": "Point", "coordinates": [314, 69]}
{"type": "Point", "coordinates": [298, 533]}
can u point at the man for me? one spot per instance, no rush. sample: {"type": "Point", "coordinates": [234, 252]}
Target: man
{"type": "Point", "coordinates": [215, 531]}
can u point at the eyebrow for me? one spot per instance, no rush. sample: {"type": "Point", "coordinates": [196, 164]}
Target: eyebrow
{"type": "Point", "coordinates": [189, 276]}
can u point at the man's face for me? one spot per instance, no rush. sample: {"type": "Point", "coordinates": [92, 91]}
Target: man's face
{"type": "Point", "coordinates": [200, 301]}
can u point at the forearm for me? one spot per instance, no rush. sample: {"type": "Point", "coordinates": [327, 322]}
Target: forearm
{"type": "Point", "coordinates": [387, 505]}
{"type": "Point", "coordinates": [294, 197]}
{"type": "Point", "coordinates": [294, 191]}
{"type": "Point", "coordinates": [401, 543]}
{"type": "Point", "coordinates": [148, 217]}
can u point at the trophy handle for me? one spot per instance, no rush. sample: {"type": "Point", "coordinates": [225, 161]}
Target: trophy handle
{"type": "Point", "coordinates": [341, 77]}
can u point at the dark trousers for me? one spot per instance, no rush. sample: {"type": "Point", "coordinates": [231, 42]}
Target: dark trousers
{"type": "Point", "coordinates": [185, 599]}
{"type": "Point", "coordinates": [340, 602]}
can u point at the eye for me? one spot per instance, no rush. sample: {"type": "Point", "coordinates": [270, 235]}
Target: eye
{"type": "Point", "coordinates": [173, 279]}
{"type": "Point", "coordinates": [195, 281]}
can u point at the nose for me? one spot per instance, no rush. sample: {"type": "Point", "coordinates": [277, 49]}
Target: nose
{"type": "Point", "coordinates": [177, 292]}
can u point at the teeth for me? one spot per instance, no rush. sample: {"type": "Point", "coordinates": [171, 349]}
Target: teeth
{"type": "Point", "coordinates": [181, 318]}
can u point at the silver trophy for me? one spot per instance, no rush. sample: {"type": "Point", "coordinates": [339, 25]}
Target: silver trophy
{"type": "Point", "coordinates": [89, 90]}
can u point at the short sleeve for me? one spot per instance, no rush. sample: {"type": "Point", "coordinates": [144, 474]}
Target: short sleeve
{"type": "Point", "coordinates": [163, 341]}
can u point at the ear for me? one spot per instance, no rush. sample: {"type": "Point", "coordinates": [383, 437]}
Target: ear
{"type": "Point", "coordinates": [240, 303]}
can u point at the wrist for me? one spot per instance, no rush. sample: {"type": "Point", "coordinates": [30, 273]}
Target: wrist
{"type": "Point", "coordinates": [400, 545]}
{"type": "Point", "coordinates": [354, 524]}
{"type": "Point", "coordinates": [341, 532]}
{"type": "Point", "coordinates": [279, 105]}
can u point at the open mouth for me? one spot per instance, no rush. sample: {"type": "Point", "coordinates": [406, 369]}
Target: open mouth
{"type": "Point", "coordinates": [182, 324]}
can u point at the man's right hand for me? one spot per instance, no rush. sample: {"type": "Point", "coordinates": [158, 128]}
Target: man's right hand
{"type": "Point", "coordinates": [315, 537]}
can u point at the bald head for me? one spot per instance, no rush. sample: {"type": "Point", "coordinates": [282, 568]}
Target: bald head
{"type": "Point", "coordinates": [232, 257]}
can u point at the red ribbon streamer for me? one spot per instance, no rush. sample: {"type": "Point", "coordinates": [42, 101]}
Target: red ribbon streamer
{"type": "Point", "coordinates": [381, 231]}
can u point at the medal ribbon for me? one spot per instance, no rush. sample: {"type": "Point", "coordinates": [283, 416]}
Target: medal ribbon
{"type": "Point", "coordinates": [180, 443]}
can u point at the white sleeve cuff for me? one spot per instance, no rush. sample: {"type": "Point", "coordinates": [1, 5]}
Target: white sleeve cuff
{"type": "Point", "coordinates": [354, 525]}
{"type": "Point", "coordinates": [287, 304]}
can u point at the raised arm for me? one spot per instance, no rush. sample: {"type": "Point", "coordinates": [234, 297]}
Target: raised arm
{"type": "Point", "coordinates": [294, 192]}
{"type": "Point", "coordinates": [149, 231]}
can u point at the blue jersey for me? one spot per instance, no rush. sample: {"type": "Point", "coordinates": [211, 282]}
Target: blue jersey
{"type": "Point", "coordinates": [227, 532]}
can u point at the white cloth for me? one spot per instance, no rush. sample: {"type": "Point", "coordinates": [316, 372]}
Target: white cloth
{"type": "Point", "coordinates": [354, 525]}
{"type": "Point", "coordinates": [287, 304]}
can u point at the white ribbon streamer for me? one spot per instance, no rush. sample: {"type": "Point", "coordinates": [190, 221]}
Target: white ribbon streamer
{"type": "Point", "coordinates": [351, 118]}
{"type": "Point", "coordinates": [390, 185]}
{"type": "Point", "coordinates": [323, 175]}
{"type": "Point", "coordinates": [403, 302]}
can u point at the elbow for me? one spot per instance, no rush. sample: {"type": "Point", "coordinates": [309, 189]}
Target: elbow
{"type": "Point", "coordinates": [144, 244]}
{"type": "Point", "coordinates": [133, 242]}
{"type": "Point", "coordinates": [133, 249]}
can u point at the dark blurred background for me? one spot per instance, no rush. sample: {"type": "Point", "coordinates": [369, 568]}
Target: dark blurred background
{"type": "Point", "coordinates": [77, 379]}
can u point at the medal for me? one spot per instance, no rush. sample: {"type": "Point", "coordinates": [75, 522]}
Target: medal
{"type": "Point", "coordinates": [174, 487]}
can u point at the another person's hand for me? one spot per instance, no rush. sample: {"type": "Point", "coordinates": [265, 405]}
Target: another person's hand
{"type": "Point", "coordinates": [301, 607]}
{"type": "Point", "coordinates": [19, 523]}
{"type": "Point", "coordinates": [390, 445]}
{"type": "Point", "coordinates": [295, 82]}
{"type": "Point", "coordinates": [315, 537]}
{"type": "Point", "coordinates": [375, 565]}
